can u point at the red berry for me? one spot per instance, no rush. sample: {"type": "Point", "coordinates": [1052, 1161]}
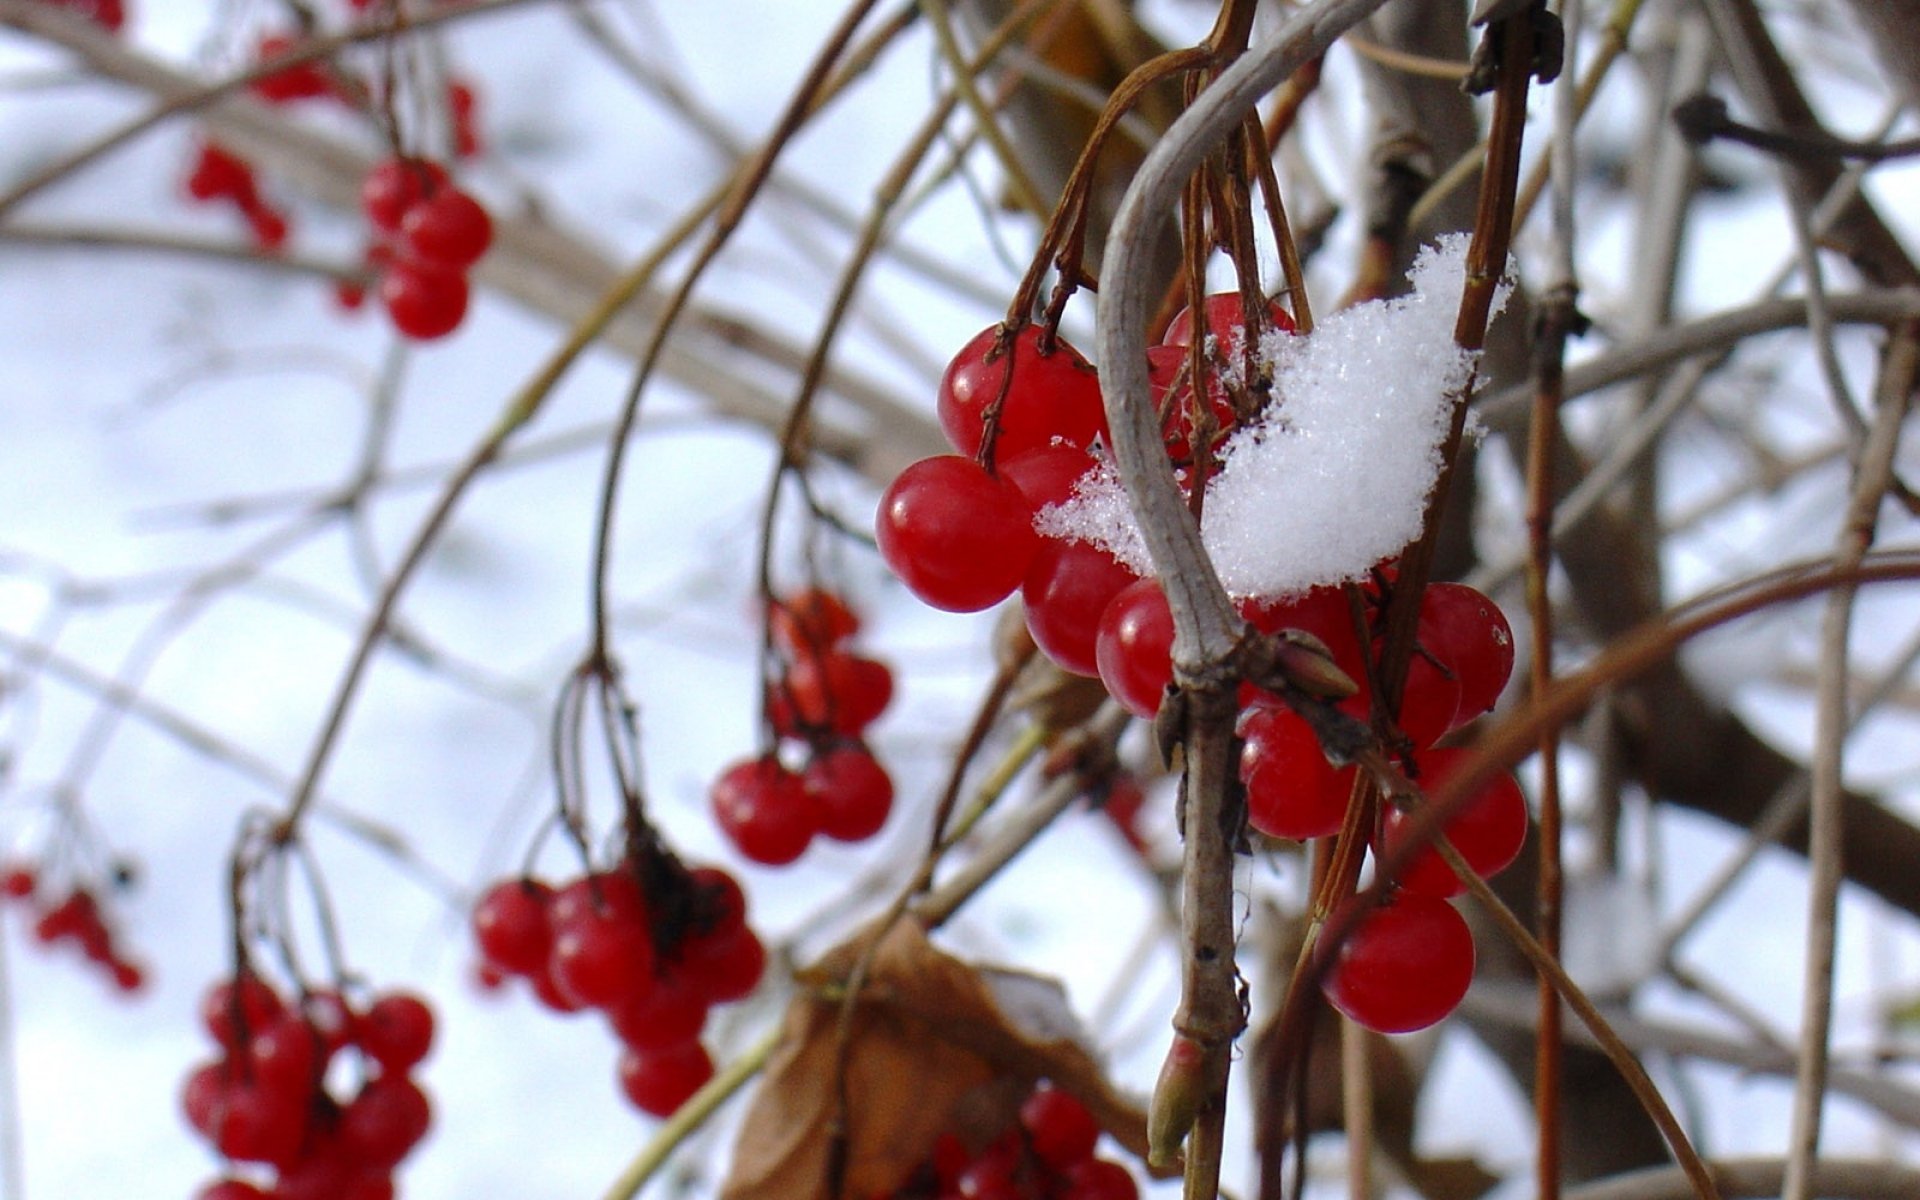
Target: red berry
{"type": "Point", "coordinates": [811, 621]}
{"type": "Point", "coordinates": [1134, 647]}
{"type": "Point", "coordinates": [1059, 1128]}
{"type": "Point", "coordinates": [837, 692]}
{"type": "Point", "coordinates": [204, 1093]}
{"type": "Point", "coordinates": [1488, 832]}
{"type": "Point", "coordinates": [1047, 475]}
{"type": "Point", "coordinates": [330, 1017]}
{"type": "Point", "coordinates": [395, 185]}
{"type": "Point", "coordinates": [959, 538]}
{"type": "Point", "coordinates": [219, 174]}
{"type": "Point", "coordinates": [659, 1082]}
{"type": "Point", "coordinates": [669, 1013]}
{"type": "Point", "coordinates": [247, 1002]}
{"type": "Point", "coordinates": [19, 882]}
{"type": "Point", "coordinates": [385, 1121]}
{"type": "Point", "coordinates": [1047, 396]}
{"type": "Point", "coordinates": [1171, 388]}
{"type": "Point", "coordinates": [462, 103]}
{"type": "Point", "coordinates": [304, 82]}
{"type": "Point", "coordinates": [602, 957]}
{"type": "Point", "coordinates": [1469, 635]}
{"type": "Point", "coordinates": [253, 1122]}
{"type": "Point", "coordinates": [1225, 321]}
{"type": "Point", "coordinates": [724, 966]}
{"type": "Point", "coordinates": [765, 810]}
{"type": "Point", "coordinates": [1066, 589]}
{"type": "Point", "coordinates": [1292, 790]}
{"type": "Point", "coordinates": [447, 229]}
{"type": "Point", "coordinates": [851, 792]}
{"type": "Point", "coordinates": [396, 1031]}
{"type": "Point", "coordinates": [1099, 1179]}
{"type": "Point", "coordinates": [512, 927]}
{"type": "Point", "coordinates": [551, 998]}
{"type": "Point", "coordinates": [268, 224]}
{"type": "Point", "coordinates": [286, 1057]}
{"type": "Point", "coordinates": [424, 302]}
{"type": "Point", "coordinates": [1405, 966]}
{"type": "Point", "coordinates": [231, 1189]}
{"type": "Point", "coordinates": [129, 977]}
{"type": "Point", "coordinates": [76, 917]}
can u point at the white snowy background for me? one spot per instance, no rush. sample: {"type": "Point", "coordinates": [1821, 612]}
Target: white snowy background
{"type": "Point", "coordinates": [139, 388]}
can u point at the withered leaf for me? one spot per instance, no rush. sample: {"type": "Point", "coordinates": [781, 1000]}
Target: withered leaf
{"type": "Point", "coordinates": [927, 1032]}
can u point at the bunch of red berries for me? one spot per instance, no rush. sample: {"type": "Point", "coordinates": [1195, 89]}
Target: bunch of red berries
{"type": "Point", "coordinates": [75, 917]}
{"type": "Point", "coordinates": [265, 1100]}
{"type": "Point", "coordinates": [427, 236]}
{"type": "Point", "coordinates": [219, 174]}
{"type": "Point", "coordinates": [1047, 1155]}
{"type": "Point", "coordinates": [595, 943]}
{"type": "Point", "coordinates": [962, 537]}
{"type": "Point", "coordinates": [823, 698]}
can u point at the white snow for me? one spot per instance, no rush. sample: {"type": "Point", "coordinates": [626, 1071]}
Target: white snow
{"type": "Point", "coordinates": [1335, 476]}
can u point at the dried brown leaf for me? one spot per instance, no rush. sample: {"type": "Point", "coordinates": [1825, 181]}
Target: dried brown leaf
{"type": "Point", "coordinates": [928, 1034]}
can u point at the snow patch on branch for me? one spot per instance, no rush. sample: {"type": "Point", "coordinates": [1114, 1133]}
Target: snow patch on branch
{"type": "Point", "coordinates": [1335, 475]}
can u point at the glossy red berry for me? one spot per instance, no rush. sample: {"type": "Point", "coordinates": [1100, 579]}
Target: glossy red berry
{"type": "Point", "coordinates": [237, 1008]}
{"type": "Point", "coordinates": [447, 229]}
{"type": "Point", "coordinates": [1046, 396]}
{"type": "Point", "coordinates": [424, 302]}
{"type": "Point", "coordinates": [1046, 476]}
{"type": "Point", "coordinates": [220, 174]}
{"type": "Point", "coordinates": [1489, 832]}
{"type": "Point", "coordinates": [765, 810]}
{"type": "Point", "coordinates": [511, 925]}
{"type": "Point", "coordinates": [1171, 388]}
{"type": "Point", "coordinates": [18, 882]}
{"type": "Point", "coordinates": [395, 1031]}
{"type": "Point", "coordinates": [1468, 634]}
{"type": "Point", "coordinates": [1060, 1130]}
{"type": "Point", "coordinates": [1099, 1179]}
{"type": "Point", "coordinates": [659, 1082]}
{"type": "Point", "coordinates": [1225, 321]}
{"type": "Point", "coordinates": [385, 1121]}
{"type": "Point", "coordinates": [811, 621]}
{"type": "Point", "coordinates": [670, 1012]}
{"type": "Point", "coordinates": [724, 966]}
{"type": "Point", "coordinates": [1292, 790]}
{"type": "Point", "coordinates": [395, 185]}
{"type": "Point", "coordinates": [1134, 647]}
{"type": "Point", "coordinates": [852, 793]}
{"type": "Point", "coordinates": [1405, 966]}
{"type": "Point", "coordinates": [959, 538]}
{"type": "Point", "coordinates": [837, 692]}
{"type": "Point", "coordinates": [304, 82]}
{"type": "Point", "coordinates": [1066, 589]}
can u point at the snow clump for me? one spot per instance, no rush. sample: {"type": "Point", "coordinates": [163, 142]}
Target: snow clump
{"type": "Point", "coordinates": [1335, 475]}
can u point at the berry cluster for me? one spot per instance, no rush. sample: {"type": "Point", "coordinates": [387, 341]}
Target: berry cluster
{"type": "Point", "coordinates": [218, 175]}
{"type": "Point", "coordinates": [76, 917]}
{"type": "Point", "coordinates": [597, 943]}
{"type": "Point", "coordinates": [1409, 961]}
{"type": "Point", "coordinates": [265, 1099]}
{"type": "Point", "coordinates": [962, 536]}
{"type": "Point", "coordinates": [427, 236]}
{"type": "Point", "coordinates": [1048, 1155]}
{"type": "Point", "coordinates": [823, 698]}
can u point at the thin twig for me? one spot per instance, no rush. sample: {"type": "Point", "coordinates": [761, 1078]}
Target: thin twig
{"type": "Point", "coordinates": [1825, 836]}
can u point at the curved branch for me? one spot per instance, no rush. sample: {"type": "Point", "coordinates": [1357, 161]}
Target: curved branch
{"type": "Point", "coordinates": [1205, 624]}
